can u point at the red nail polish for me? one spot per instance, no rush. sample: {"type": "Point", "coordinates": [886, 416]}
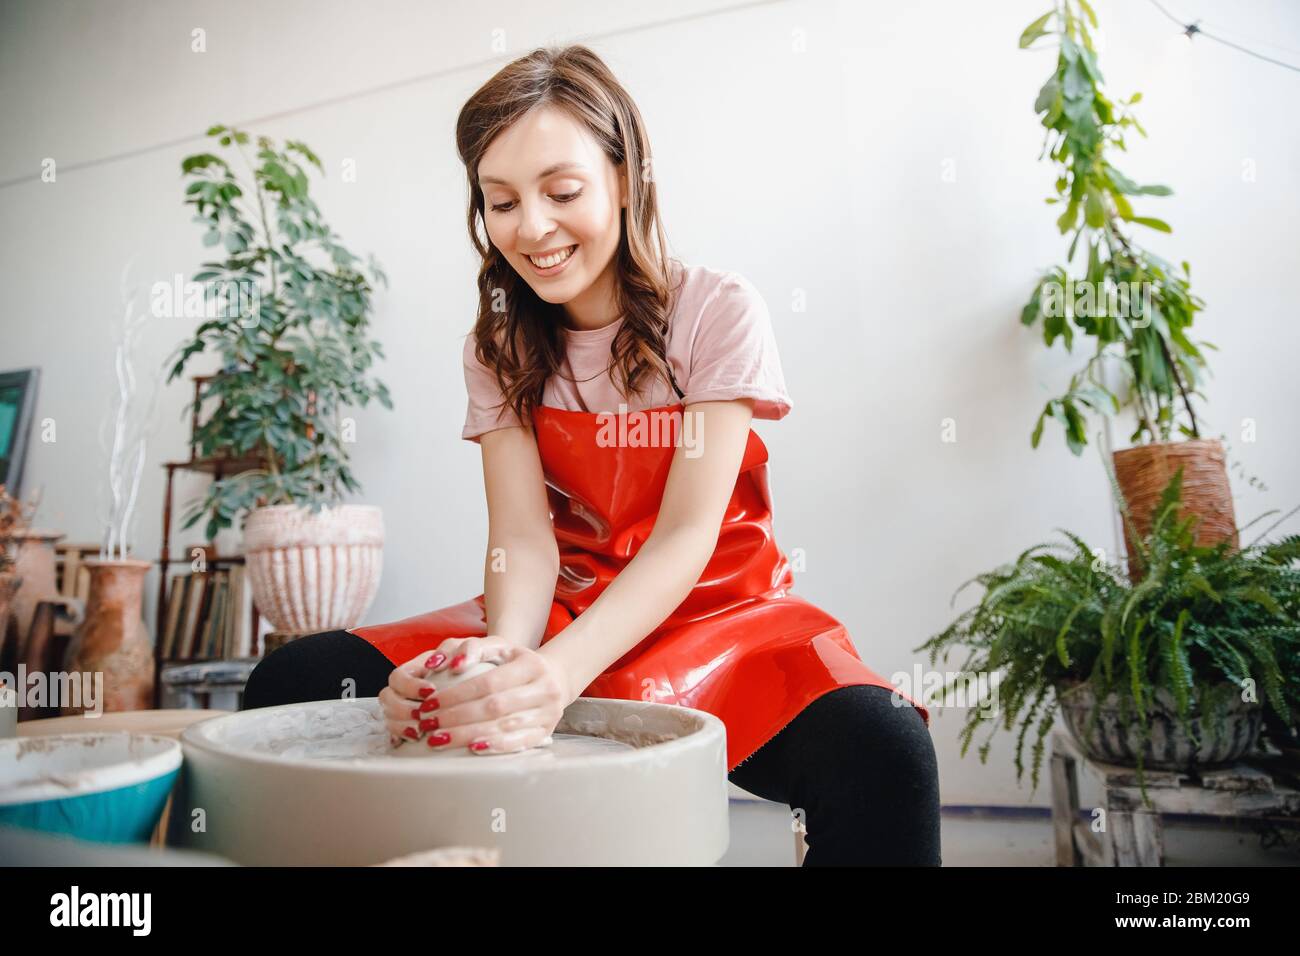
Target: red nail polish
{"type": "Point", "coordinates": [479, 745]}
{"type": "Point", "coordinates": [430, 724]}
{"type": "Point", "coordinates": [412, 733]}
{"type": "Point", "coordinates": [434, 660]}
{"type": "Point", "coordinates": [415, 713]}
{"type": "Point", "coordinates": [426, 691]}
{"type": "Point", "coordinates": [430, 704]}
{"type": "Point", "coordinates": [457, 661]}
{"type": "Point", "coordinates": [437, 739]}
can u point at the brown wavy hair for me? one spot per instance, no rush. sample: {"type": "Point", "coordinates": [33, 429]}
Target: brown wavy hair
{"type": "Point", "coordinates": [524, 344]}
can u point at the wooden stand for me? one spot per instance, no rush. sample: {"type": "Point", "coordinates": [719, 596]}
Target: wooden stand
{"type": "Point", "coordinates": [1129, 833]}
{"type": "Point", "coordinates": [218, 467]}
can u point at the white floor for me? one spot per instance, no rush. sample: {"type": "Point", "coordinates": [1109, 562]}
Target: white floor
{"type": "Point", "coordinates": [761, 836]}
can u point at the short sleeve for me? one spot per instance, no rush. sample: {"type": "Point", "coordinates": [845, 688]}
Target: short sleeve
{"type": "Point", "coordinates": [484, 396]}
{"type": "Point", "coordinates": [734, 352]}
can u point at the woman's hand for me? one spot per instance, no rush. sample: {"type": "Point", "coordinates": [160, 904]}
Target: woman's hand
{"type": "Point", "coordinates": [512, 707]}
{"type": "Point", "coordinates": [401, 700]}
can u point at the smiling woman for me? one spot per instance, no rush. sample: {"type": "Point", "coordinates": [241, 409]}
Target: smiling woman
{"type": "Point", "coordinates": [554, 211]}
{"type": "Point", "coordinates": [618, 567]}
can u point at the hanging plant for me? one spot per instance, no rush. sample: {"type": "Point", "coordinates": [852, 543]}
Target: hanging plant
{"type": "Point", "coordinates": [1135, 306]}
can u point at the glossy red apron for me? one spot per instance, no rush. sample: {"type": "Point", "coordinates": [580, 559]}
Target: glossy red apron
{"type": "Point", "coordinates": [740, 646]}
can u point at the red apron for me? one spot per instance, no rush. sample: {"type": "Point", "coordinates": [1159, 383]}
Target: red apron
{"type": "Point", "coordinates": [740, 646]}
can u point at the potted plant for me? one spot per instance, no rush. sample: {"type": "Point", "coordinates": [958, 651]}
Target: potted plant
{"type": "Point", "coordinates": [1169, 672]}
{"type": "Point", "coordinates": [1135, 306]}
{"type": "Point", "coordinates": [288, 312]}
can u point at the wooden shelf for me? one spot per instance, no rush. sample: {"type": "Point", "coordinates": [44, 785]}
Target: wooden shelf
{"type": "Point", "coordinates": [218, 466]}
{"type": "Point", "coordinates": [209, 558]}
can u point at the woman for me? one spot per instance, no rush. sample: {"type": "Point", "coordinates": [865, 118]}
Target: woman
{"type": "Point", "coordinates": [630, 555]}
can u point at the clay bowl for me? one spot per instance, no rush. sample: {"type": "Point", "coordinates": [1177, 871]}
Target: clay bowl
{"type": "Point", "coordinates": [283, 786]}
{"type": "Point", "coordinates": [106, 787]}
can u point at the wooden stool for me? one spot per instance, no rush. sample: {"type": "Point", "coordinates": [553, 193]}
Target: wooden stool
{"type": "Point", "coordinates": [1130, 832]}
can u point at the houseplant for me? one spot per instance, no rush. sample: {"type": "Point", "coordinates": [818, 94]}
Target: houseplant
{"type": "Point", "coordinates": [1135, 307]}
{"type": "Point", "coordinates": [288, 313]}
{"type": "Point", "coordinates": [1195, 643]}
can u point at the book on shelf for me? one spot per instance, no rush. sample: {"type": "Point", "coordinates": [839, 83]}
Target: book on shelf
{"type": "Point", "coordinates": [208, 616]}
{"type": "Point", "coordinates": [171, 623]}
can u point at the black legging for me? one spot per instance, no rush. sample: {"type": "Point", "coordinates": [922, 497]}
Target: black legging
{"type": "Point", "coordinates": [859, 771]}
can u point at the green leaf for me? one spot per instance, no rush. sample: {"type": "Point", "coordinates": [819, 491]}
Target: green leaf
{"type": "Point", "coordinates": [1067, 219]}
{"type": "Point", "coordinates": [1094, 211]}
{"type": "Point", "coordinates": [201, 161]}
{"type": "Point", "coordinates": [1076, 83]}
{"type": "Point", "coordinates": [1038, 430]}
{"type": "Point", "coordinates": [1158, 224]}
{"type": "Point", "coordinates": [1122, 207]}
{"type": "Point", "coordinates": [1035, 30]}
{"type": "Point", "coordinates": [1033, 307]}
{"type": "Point", "coordinates": [1047, 95]}
{"type": "Point", "coordinates": [1260, 596]}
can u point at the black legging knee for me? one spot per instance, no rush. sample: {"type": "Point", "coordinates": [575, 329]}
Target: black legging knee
{"type": "Point", "coordinates": [861, 773]}
{"type": "Point", "coordinates": [859, 770]}
{"type": "Point", "coordinates": [324, 666]}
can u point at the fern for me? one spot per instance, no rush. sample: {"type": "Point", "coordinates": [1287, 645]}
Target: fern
{"type": "Point", "coordinates": [1204, 622]}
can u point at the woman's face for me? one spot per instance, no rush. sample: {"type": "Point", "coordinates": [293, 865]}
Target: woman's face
{"type": "Point", "coordinates": [549, 192]}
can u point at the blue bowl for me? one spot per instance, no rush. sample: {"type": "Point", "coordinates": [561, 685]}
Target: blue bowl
{"type": "Point", "coordinates": [105, 787]}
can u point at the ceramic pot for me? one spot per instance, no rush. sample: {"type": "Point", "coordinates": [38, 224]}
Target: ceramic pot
{"type": "Point", "coordinates": [314, 572]}
{"type": "Point", "coordinates": [1117, 738]}
{"type": "Point", "coordinates": [112, 639]}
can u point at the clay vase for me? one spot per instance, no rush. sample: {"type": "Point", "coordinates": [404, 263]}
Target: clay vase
{"type": "Point", "coordinates": [1142, 473]}
{"type": "Point", "coordinates": [34, 562]}
{"type": "Point", "coordinates": [9, 585]}
{"type": "Point", "coordinates": [112, 639]}
{"type": "Point", "coordinates": [314, 572]}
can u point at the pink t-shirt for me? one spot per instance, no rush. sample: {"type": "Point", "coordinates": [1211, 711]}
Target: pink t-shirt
{"type": "Point", "coordinates": [720, 346]}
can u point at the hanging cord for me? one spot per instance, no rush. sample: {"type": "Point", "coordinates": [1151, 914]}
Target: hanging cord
{"type": "Point", "coordinates": [1193, 30]}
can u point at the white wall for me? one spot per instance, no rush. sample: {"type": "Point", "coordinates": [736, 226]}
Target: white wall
{"type": "Point", "coordinates": [819, 171]}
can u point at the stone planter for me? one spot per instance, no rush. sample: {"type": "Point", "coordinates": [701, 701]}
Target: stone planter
{"type": "Point", "coordinates": [1117, 738]}
{"type": "Point", "coordinates": [316, 572]}
{"type": "Point", "coordinates": [112, 639]}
